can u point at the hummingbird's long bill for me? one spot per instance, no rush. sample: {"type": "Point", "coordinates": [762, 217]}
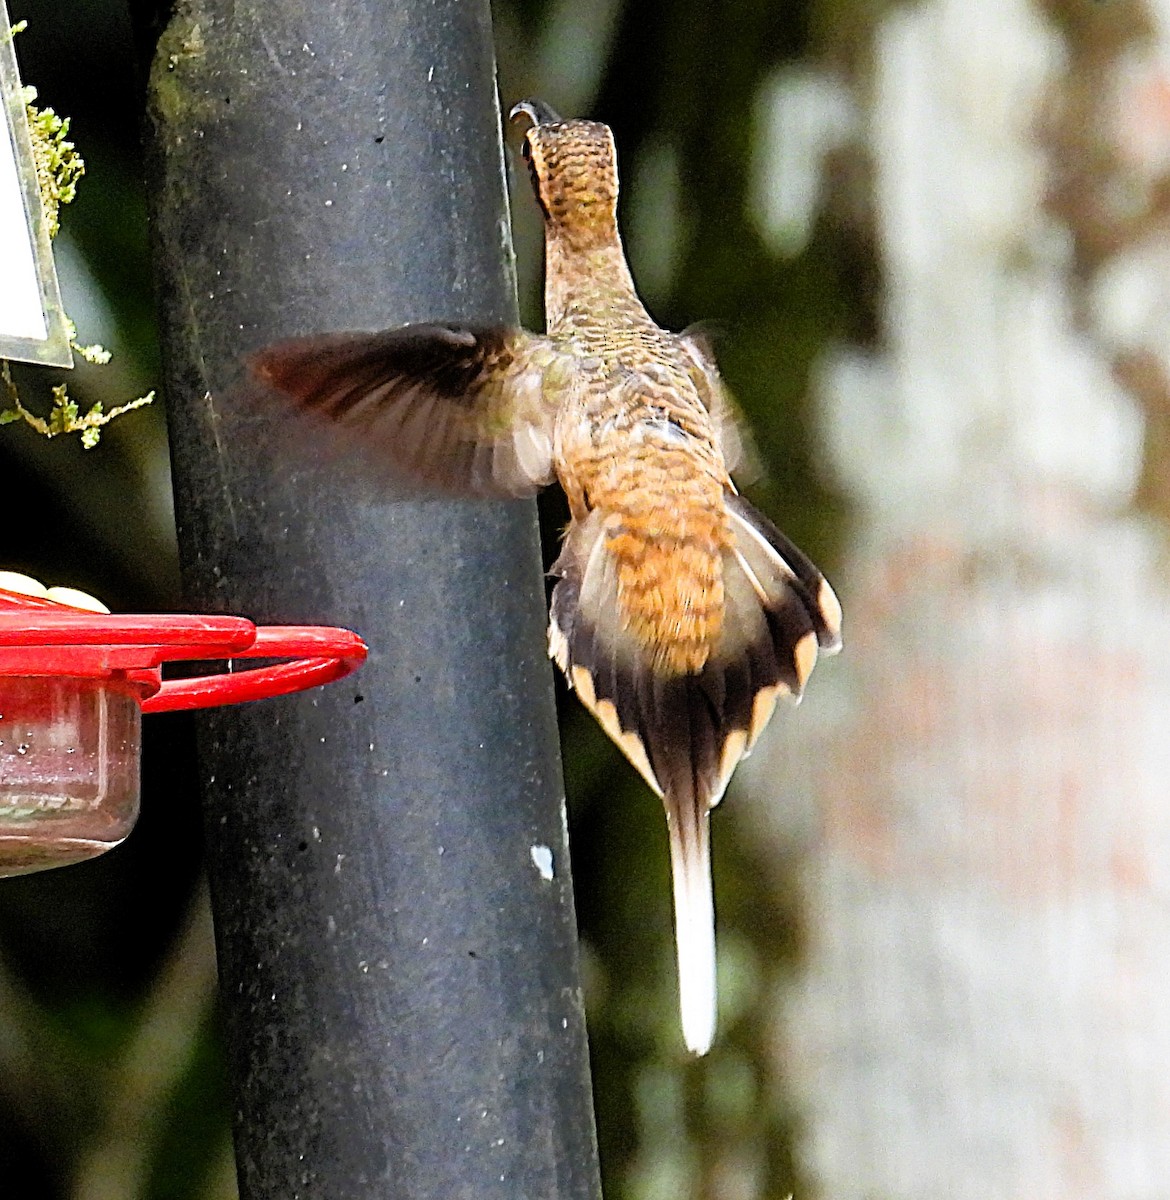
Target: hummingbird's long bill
{"type": "Point", "coordinates": [680, 615]}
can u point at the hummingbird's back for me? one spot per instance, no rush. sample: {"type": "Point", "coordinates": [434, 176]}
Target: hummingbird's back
{"type": "Point", "coordinates": [635, 447]}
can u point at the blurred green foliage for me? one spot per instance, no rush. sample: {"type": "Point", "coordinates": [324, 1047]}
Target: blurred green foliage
{"type": "Point", "coordinates": [110, 1071]}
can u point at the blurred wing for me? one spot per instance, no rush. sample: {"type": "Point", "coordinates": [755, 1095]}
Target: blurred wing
{"type": "Point", "coordinates": [739, 452]}
{"type": "Point", "coordinates": [464, 408]}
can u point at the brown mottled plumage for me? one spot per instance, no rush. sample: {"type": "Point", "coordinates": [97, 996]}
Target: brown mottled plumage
{"type": "Point", "coordinates": [680, 614]}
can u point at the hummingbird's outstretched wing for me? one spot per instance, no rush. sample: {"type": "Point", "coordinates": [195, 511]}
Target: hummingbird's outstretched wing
{"type": "Point", "coordinates": [464, 408]}
{"type": "Point", "coordinates": [731, 430]}
{"type": "Point", "coordinates": [686, 732]}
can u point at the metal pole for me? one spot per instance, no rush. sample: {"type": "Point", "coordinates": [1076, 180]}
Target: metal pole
{"type": "Point", "coordinates": [398, 969]}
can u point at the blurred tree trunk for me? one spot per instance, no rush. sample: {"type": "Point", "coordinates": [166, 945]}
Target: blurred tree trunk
{"type": "Point", "coordinates": [985, 774]}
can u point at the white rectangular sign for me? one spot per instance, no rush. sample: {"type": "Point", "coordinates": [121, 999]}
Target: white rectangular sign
{"type": "Point", "coordinates": [32, 321]}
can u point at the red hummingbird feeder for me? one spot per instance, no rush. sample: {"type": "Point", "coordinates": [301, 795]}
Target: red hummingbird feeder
{"type": "Point", "coordinates": [74, 684]}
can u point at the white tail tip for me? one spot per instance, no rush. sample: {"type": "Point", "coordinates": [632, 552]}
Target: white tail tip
{"type": "Point", "coordinates": [694, 928]}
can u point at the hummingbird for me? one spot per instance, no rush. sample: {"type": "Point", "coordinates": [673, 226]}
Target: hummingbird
{"type": "Point", "coordinates": [680, 614]}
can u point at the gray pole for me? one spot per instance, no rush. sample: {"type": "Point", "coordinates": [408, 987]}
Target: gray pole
{"type": "Point", "coordinates": [399, 974]}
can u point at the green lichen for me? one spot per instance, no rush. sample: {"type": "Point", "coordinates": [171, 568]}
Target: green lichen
{"type": "Point", "coordinates": [172, 98]}
{"type": "Point", "coordinates": [59, 166]}
{"type": "Point", "coordinates": [65, 416]}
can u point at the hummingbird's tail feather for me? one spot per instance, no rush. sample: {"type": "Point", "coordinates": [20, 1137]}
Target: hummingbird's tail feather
{"type": "Point", "coordinates": [778, 612]}
{"type": "Point", "coordinates": [782, 570]}
{"type": "Point", "coordinates": [683, 730]}
{"type": "Point", "coordinates": [688, 823]}
{"type": "Point", "coordinates": [686, 732]}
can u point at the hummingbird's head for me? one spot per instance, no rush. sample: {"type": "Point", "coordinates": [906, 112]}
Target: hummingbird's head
{"type": "Point", "coordinates": [574, 171]}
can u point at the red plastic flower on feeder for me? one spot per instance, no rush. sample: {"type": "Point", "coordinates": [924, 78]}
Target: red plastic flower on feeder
{"type": "Point", "coordinates": [74, 684]}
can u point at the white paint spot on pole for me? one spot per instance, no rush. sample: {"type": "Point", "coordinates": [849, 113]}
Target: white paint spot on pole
{"type": "Point", "coordinates": [542, 857]}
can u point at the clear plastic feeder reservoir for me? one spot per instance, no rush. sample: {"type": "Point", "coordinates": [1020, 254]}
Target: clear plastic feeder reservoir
{"type": "Point", "coordinates": [69, 774]}
{"type": "Point", "coordinates": [74, 683]}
